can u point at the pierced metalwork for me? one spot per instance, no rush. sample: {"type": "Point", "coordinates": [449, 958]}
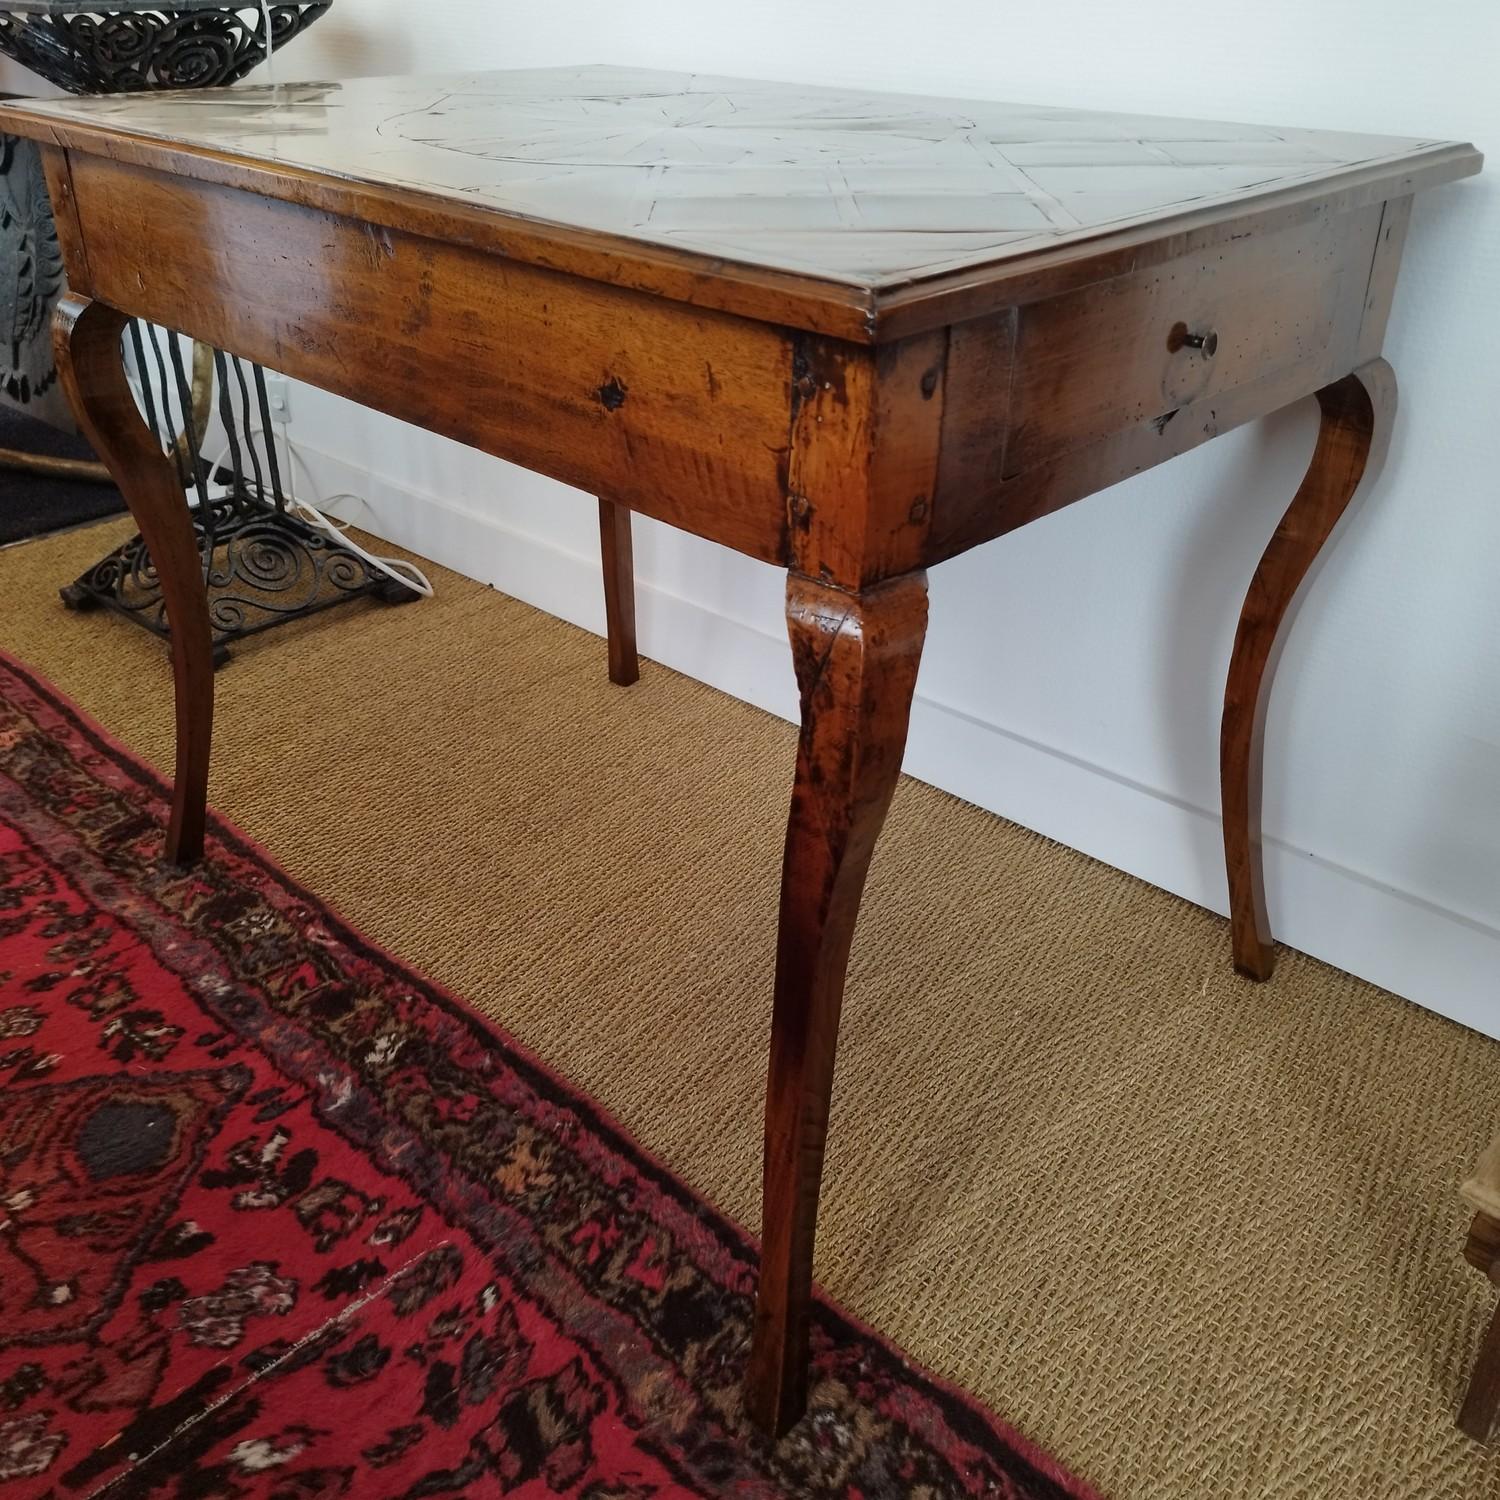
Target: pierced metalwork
{"type": "Point", "coordinates": [262, 564]}
{"type": "Point", "coordinates": [125, 47]}
{"type": "Point", "coordinates": [31, 274]}
{"type": "Point", "coordinates": [31, 279]}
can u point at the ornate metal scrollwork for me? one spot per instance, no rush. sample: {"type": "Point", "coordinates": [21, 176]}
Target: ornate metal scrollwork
{"type": "Point", "coordinates": [123, 48]}
{"type": "Point", "coordinates": [262, 563]}
{"type": "Point", "coordinates": [31, 277]}
{"type": "Point", "coordinates": [266, 566]}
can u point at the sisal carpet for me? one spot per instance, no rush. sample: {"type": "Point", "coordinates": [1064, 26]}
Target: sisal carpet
{"type": "Point", "coordinates": [1196, 1237]}
{"type": "Point", "coordinates": [284, 1221]}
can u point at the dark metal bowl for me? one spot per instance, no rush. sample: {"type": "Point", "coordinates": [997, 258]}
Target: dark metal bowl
{"type": "Point", "coordinates": [127, 46]}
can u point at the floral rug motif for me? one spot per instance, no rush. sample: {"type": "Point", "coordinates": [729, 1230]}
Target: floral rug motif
{"type": "Point", "coordinates": [279, 1218]}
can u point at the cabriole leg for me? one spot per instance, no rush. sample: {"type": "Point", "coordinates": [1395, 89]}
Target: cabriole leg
{"type": "Point", "coordinates": [856, 658]}
{"type": "Point", "coordinates": [86, 336]}
{"type": "Point", "coordinates": [1357, 412]}
{"type": "Point", "coordinates": [1481, 1408]}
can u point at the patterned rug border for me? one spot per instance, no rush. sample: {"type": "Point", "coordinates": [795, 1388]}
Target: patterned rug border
{"type": "Point", "coordinates": [970, 1418]}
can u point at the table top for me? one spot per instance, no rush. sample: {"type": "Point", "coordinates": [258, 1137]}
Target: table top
{"type": "Point", "coordinates": [866, 190]}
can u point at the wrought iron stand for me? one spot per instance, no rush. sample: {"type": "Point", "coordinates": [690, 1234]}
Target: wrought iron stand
{"type": "Point", "coordinates": [262, 564]}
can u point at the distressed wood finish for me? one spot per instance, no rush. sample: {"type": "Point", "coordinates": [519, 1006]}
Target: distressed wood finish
{"type": "Point", "coordinates": [1357, 413]}
{"type": "Point", "coordinates": [944, 208]}
{"type": "Point", "coordinates": [86, 336]}
{"type": "Point", "coordinates": [1277, 302]}
{"type": "Point", "coordinates": [1096, 385]}
{"type": "Point", "coordinates": [856, 658]}
{"type": "Point", "coordinates": [619, 592]}
{"type": "Point", "coordinates": [865, 440]}
{"type": "Point", "coordinates": [1480, 1414]}
{"type": "Point", "coordinates": [862, 351]}
{"type": "Point", "coordinates": [608, 390]}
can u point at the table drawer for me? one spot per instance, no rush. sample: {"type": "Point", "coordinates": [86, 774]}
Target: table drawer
{"type": "Point", "coordinates": [606, 389]}
{"type": "Point", "coordinates": [1120, 353]}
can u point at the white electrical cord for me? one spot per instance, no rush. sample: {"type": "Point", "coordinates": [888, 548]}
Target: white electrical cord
{"type": "Point", "coordinates": [265, 11]}
{"type": "Point", "coordinates": [397, 568]}
{"type": "Point", "coordinates": [403, 572]}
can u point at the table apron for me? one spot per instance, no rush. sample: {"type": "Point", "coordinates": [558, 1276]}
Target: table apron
{"type": "Point", "coordinates": [1097, 384]}
{"type": "Point", "coordinates": [846, 463]}
{"type": "Point", "coordinates": [678, 412]}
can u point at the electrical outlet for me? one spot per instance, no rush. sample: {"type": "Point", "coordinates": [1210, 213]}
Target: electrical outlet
{"type": "Point", "coordinates": [279, 398]}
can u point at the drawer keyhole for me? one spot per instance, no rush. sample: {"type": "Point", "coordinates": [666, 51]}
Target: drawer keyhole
{"type": "Point", "coordinates": [1206, 342]}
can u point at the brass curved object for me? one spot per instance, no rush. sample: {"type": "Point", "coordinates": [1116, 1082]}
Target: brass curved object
{"type": "Point", "coordinates": [54, 468]}
{"type": "Point", "coordinates": [185, 450]}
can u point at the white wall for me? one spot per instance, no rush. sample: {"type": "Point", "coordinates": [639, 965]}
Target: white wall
{"type": "Point", "coordinates": [1073, 673]}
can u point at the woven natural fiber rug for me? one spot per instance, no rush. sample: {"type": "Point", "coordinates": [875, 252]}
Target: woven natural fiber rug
{"type": "Point", "coordinates": [279, 1218]}
{"type": "Point", "coordinates": [1196, 1236]}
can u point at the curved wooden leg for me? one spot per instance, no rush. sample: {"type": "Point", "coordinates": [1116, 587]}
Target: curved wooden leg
{"type": "Point", "coordinates": [86, 337]}
{"type": "Point", "coordinates": [856, 658]}
{"type": "Point", "coordinates": [1357, 412]}
{"type": "Point", "coordinates": [1481, 1409]}
{"type": "Point", "coordinates": [619, 592]}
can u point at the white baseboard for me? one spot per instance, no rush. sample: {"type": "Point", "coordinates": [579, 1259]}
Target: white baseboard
{"type": "Point", "coordinates": [1438, 958]}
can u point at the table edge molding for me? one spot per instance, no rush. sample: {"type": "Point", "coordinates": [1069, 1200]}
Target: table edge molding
{"type": "Point", "coordinates": [875, 314]}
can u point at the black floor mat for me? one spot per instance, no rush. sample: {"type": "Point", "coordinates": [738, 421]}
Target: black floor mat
{"type": "Point", "coordinates": [34, 504]}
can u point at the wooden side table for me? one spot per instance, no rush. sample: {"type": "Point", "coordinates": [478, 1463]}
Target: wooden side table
{"type": "Point", "coordinates": [849, 335]}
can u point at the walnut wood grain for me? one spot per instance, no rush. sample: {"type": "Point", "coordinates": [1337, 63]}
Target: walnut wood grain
{"type": "Point", "coordinates": [1049, 403]}
{"type": "Point", "coordinates": [1356, 416]}
{"type": "Point", "coordinates": [86, 336]}
{"type": "Point", "coordinates": [854, 427]}
{"type": "Point", "coordinates": [619, 592]}
{"type": "Point", "coordinates": [944, 208]}
{"type": "Point", "coordinates": [1480, 1413]}
{"type": "Point", "coordinates": [610, 391]}
{"type": "Point", "coordinates": [866, 433]}
{"type": "Point", "coordinates": [856, 657]}
{"type": "Point", "coordinates": [1273, 304]}
{"type": "Point", "coordinates": [1482, 1248]}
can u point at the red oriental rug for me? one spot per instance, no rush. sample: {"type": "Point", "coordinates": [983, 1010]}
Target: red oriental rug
{"type": "Point", "coordinates": [280, 1218]}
